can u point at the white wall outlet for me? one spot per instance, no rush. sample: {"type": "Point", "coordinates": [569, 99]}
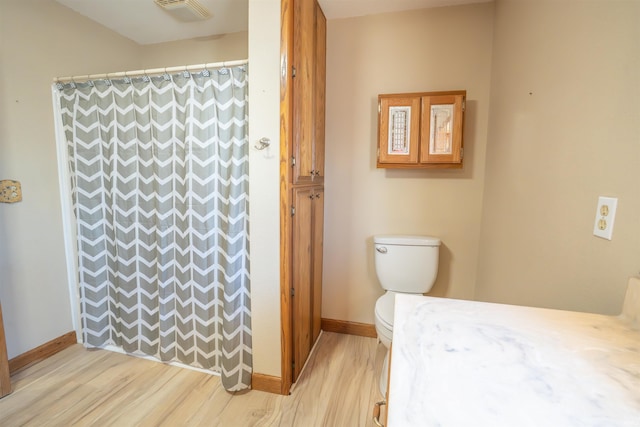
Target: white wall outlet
{"type": "Point", "coordinates": [605, 216]}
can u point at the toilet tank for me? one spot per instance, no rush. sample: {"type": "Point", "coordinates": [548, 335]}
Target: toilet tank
{"type": "Point", "coordinates": [407, 264]}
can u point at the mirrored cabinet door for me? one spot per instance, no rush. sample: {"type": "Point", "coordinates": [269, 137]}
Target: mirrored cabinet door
{"type": "Point", "coordinates": [441, 122]}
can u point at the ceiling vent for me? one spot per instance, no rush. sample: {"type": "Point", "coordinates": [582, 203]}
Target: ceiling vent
{"type": "Point", "coordinates": [185, 10]}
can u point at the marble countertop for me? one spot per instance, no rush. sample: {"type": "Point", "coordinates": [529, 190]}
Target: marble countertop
{"type": "Point", "coordinates": [465, 363]}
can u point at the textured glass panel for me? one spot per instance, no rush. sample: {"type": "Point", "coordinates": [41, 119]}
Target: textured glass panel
{"type": "Point", "coordinates": [399, 130]}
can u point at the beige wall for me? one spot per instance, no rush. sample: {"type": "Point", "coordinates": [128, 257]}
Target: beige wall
{"type": "Point", "coordinates": [224, 47]}
{"type": "Point", "coordinates": [40, 40]}
{"type": "Point", "coordinates": [264, 173]}
{"type": "Point", "coordinates": [564, 129]}
{"type": "Point", "coordinates": [424, 50]}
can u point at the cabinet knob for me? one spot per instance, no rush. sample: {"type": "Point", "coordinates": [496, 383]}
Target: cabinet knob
{"type": "Point", "coordinates": [381, 249]}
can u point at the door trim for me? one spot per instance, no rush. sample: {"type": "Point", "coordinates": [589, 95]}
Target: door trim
{"type": "Point", "coordinates": [286, 136]}
{"type": "Point", "coordinates": [5, 376]}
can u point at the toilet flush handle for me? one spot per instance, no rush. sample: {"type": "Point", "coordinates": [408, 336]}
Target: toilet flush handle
{"type": "Point", "coordinates": [381, 249]}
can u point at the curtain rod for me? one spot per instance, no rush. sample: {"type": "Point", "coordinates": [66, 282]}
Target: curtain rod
{"type": "Point", "coordinates": [136, 73]}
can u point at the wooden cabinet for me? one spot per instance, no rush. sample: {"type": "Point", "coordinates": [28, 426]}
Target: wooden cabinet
{"type": "Point", "coordinates": [306, 291]}
{"type": "Point", "coordinates": [5, 378]}
{"type": "Point", "coordinates": [421, 130]}
{"type": "Point", "coordinates": [309, 67]}
{"type": "Point", "coordinates": [302, 134]}
{"type": "Point", "coordinates": [306, 177]}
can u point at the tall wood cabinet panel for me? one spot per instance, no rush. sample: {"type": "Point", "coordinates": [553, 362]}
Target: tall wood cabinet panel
{"type": "Point", "coordinates": [309, 64]}
{"type": "Point", "coordinates": [5, 378]}
{"type": "Point", "coordinates": [319, 100]}
{"type": "Point", "coordinates": [303, 58]}
{"type": "Point", "coordinates": [307, 271]}
{"type": "Point", "coordinates": [301, 289]}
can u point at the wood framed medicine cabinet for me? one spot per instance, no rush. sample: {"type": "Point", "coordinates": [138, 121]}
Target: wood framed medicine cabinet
{"type": "Point", "coordinates": [421, 130]}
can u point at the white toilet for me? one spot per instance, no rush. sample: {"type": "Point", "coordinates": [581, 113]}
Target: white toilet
{"type": "Point", "coordinates": [404, 265]}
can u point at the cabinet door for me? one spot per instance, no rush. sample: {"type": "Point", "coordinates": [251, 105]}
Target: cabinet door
{"type": "Point", "coordinates": [398, 129]}
{"type": "Point", "coordinates": [318, 242]}
{"type": "Point", "coordinates": [302, 294]}
{"type": "Point", "coordinates": [441, 123]}
{"type": "Point", "coordinates": [309, 53]}
{"type": "Point", "coordinates": [307, 272]}
{"type": "Point", "coordinates": [319, 95]}
{"type": "Point", "coordinates": [5, 379]}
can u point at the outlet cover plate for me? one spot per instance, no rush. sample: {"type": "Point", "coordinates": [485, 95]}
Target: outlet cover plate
{"type": "Point", "coordinates": [605, 217]}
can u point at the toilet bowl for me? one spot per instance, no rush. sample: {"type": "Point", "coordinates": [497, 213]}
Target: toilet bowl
{"type": "Point", "coordinates": [384, 317]}
{"type": "Point", "coordinates": [407, 265]}
{"type": "Point", "coordinates": [384, 328]}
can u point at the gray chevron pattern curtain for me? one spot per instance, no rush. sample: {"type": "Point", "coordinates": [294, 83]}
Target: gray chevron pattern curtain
{"type": "Point", "coordinates": [159, 171]}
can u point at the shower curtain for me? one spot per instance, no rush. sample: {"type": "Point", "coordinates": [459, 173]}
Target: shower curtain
{"type": "Point", "coordinates": [159, 190]}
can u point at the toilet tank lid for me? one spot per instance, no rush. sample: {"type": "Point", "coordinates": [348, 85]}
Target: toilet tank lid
{"type": "Point", "coordinates": [406, 240]}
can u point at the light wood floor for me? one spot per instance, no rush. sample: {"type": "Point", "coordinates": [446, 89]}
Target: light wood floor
{"type": "Point", "coordinates": [78, 387]}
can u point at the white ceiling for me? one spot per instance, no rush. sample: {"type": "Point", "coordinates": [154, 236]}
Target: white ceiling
{"type": "Point", "coordinates": [144, 22]}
